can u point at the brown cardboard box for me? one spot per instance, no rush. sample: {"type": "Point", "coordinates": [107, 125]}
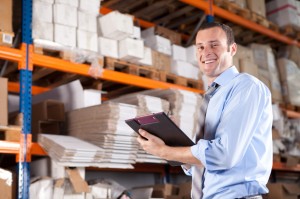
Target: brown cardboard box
{"type": "Point", "coordinates": [258, 6]}
{"type": "Point", "coordinates": [164, 190]}
{"type": "Point", "coordinates": [6, 16]}
{"type": "Point", "coordinates": [161, 61]}
{"type": "Point", "coordinates": [3, 102]}
{"type": "Point", "coordinates": [7, 184]}
{"type": "Point", "coordinates": [47, 117]}
{"type": "Point", "coordinates": [246, 66]}
{"type": "Point", "coordinates": [173, 36]}
{"type": "Point", "coordinates": [283, 191]}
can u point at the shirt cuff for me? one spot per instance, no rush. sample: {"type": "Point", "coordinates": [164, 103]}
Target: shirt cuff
{"type": "Point", "coordinates": [198, 150]}
{"type": "Point", "coordinates": [187, 169]}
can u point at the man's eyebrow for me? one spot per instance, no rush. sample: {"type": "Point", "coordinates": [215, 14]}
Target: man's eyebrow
{"type": "Point", "coordinates": [212, 41]}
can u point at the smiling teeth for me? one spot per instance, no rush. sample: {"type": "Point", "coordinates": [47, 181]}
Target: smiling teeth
{"type": "Point", "coordinates": [210, 61]}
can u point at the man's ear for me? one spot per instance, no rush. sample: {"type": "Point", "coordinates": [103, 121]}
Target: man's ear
{"type": "Point", "coordinates": [233, 49]}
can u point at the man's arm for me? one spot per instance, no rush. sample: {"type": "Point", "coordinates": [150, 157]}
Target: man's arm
{"type": "Point", "coordinates": [157, 147]}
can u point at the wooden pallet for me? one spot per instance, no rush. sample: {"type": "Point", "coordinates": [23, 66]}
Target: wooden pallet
{"type": "Point", "coordinates": [126, 67]}
{"type": "Point", "coordinates": [179, 80]}
{"type": "Point", "coordinates": [234, 8]}
{"type": "Point", "coordinates": [290, 31]}
{"type": "Point", "coordinates": [11, 132]}
{"type": "Point", "coordinates": [52, 53]}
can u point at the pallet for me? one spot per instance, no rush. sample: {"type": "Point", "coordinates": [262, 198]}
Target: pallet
{"type": "Point", "coordinates": [234, 8]}
{"type": "Point", "coordinates": [260, 19]}
{"type": "Point", "coordinates": [133, 69]}
{"type": "Point", "coordinates": [11, 132]}
{"type": "Point", "coordinates": [290, 31]}
{"type": "Point", "coordinates": [52, 53]}
{"type": "Point", "coordinates": [179, 80]}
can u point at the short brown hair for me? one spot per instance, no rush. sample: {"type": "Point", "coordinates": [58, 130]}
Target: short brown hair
{"type": "Point", "coordinates": [228, 31]}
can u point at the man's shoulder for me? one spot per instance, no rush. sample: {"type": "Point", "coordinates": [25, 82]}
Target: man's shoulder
{"type": "Point", "coordinates": [250, 80]}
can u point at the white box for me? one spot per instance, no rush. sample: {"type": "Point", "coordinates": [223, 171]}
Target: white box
{"type": "Point", "coordinates": [68, 2]}
{"type": "Point", "coordinates": [108, 47]}
{"type": "Point", "coordinates": [87, 21]}
{"type": "Point", "coordinates": [42, 11]}
{"type": "Point", "coordinates": [131, 49]}
{"type": "Point", "coordinates": [184, 69]}
{"type": "Point", "coordinates": [149, 32]}
{"type": "Point", "coordinates": [179, 53]}
{"type": "Point", "coordinates": [90, 6]}
{"type": "Point", "coordinates": [42, 30]}
{"type": "Point", "coordinates": [136, 33]}
{"type": "Point", "coordinates": [282, 13]}
{"type": "Point", "coordinates": [147, 60]}
{"type": "Point", "coordinates": [116, 25]}
{"type": "Point", "coordinates": [65, 35]}
{"type": "Point", "coordinates": [191, 55]}
{"type": "Point", "coordinates": [65, 15]}
{"type": "Point", "coordinates": [159, 44]}
{"type": "Point", "coordinates": [47, 1]}
{"type": "Point", "coordinates": [91, 97]}
{"type": "Point", "coordinates": [87, 40]}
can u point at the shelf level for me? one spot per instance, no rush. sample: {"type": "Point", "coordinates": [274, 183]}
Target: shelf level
{"type": "Point", "coordinates": [204, 5]}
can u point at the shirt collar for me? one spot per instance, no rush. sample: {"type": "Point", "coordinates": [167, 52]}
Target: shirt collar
{"type": "Point", "coordinates": [227, 76]}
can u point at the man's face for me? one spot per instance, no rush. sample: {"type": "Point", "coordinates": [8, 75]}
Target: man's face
{"type": "Point", "coordinates": [213, 54]}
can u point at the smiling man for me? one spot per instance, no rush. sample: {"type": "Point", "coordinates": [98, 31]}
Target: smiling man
{"type": "Point", "coordinates": [232, 157]}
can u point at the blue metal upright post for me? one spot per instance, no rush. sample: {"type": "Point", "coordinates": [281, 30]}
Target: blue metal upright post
{"type": "Point", "coordinates": [210, 16]}
{"type": "Point", "coordinates": [25, 101]}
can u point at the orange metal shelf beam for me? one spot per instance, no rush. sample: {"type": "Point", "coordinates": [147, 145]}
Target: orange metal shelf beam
{"type": "Point", "coordinates": [203, 5]}
{"type": "Point", "coordinates": [82, 69]}
{"type": "Point", "coordinates": [10, 54]}
{"type": "Point", "coordinates": [14, 87]}
{"type": "Point", "coordinates": [279, 166]}
{"type": "Point", "coordinates": [143, 23]}
{"type": "Point", "coordinates": [14, 148]}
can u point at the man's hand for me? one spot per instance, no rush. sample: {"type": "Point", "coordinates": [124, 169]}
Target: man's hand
{"type": "Point", "coordinates": [152, 144]}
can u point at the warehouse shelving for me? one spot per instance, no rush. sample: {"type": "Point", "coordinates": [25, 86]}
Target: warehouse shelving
{"type": "Point", "coordinates": [27, 59]}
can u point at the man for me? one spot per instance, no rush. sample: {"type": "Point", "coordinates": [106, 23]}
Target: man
{"type": "Point", "coordinates": [236, 149]}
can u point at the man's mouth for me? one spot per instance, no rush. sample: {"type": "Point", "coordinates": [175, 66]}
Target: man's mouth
{"type": "Point", "coordinates": [208, 61]}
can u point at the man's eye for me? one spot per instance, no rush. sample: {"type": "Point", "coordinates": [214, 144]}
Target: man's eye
{"type": "Point", "coordinates": [200, 47]}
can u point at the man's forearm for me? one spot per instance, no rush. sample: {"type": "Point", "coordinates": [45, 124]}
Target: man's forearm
{"type": "Point", "coordinates": [179, 154]}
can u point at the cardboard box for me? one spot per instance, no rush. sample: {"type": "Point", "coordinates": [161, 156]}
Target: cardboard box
{"type": "Point", "coordinates": [87, 21]}
{"type": "Point", "coordinates": [7, 184]}
{"type": "Point", "coordinates": [179, 53]}
{"type": "Point", "coordinates": [161, 61]}
{"type": "Point", "coordinates": [65, 15]}
{"type": "Point", "coordinates": [184, 69]}
{"type": "Point", "coordinates": [136, 33]}
{"type": "Point", "coordinates": [131, 49]}
{"type": "Point", "coordinates": [159, 44]}
{"type": "Point", "coordinates": [191, 55]}
{"type": "Point", "coordinates": [257, 6]}
{"type": "Point", "coordinates": [116, 25]}
{"type": "Point", "coordinates": [171, 35]}
{"type": "Point", "coordinates": [90, 6]}
{"type": "Point", "coordinates": [49, 110]}
{"type": "Point", "coordinates": [87, 40]}
{"type": "Point", "coordinates": [65, 35]}
{"type": "Point", "coordinates": [3, 102]}
{"type": "Point", "coordinates": [283, 191]}
{"type": "Point", "coordinates": [283, 13]}
{"type": "Point", "coordinates": [46, 15]}
{"type": "Point", "coordinates": [108, 47]}
{"type": "Point", "coordinates": [42, 30]}
{"type": "Point", "coordinates": [73, 3]}
{"type": "Point", "coordinates": [6, 16]}
{"type": "Point", "coordinates": [147, 60]}
{"type": "Point", "coordinates": [246, 66]}
{"type": "Point", "coordinates": [91, 97]}
{"type": "Point", "coordinates": [164, 190]}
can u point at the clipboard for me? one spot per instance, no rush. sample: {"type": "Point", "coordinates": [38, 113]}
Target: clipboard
{"type": "Point", "coordinates": [160, 125]}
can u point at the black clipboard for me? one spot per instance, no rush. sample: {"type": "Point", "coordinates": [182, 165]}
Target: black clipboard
{"type": "Point", "coordinates": [160, 125]}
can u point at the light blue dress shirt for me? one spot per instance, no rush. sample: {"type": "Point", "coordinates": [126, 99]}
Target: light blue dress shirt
{"type": "Point", "coordinates": [237, 147]}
